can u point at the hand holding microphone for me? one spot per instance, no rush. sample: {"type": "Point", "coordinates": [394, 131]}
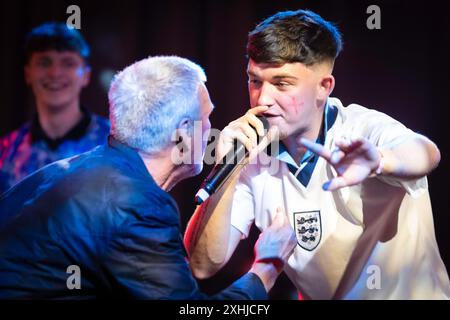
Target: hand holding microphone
{"type": "Point", "coordinates": [243, 137]}
{"type": "Point", "coordinates": [245, 129]}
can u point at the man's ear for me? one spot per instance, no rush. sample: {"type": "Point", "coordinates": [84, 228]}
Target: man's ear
{"type": "Point", "coordinates": [183, 134]}
{"type": "Point", "coordinates": [326, 86]}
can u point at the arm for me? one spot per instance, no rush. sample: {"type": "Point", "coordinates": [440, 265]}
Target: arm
{"type": "Point", "coordinates": [210, 238]}
{"type": "Point", "coordinates": [145, 259]}
{"type": "Point", "coordinates": [408, 157]}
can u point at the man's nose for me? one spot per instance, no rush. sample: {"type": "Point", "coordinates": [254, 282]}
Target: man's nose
{"type": "Point", "coordinates": [54, 70]}
{"type": "Point", "coordinates": [265, 97]}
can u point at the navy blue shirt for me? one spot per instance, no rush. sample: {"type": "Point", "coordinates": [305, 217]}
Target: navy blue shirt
{"type": "Point", "coordinates": [102, 212]}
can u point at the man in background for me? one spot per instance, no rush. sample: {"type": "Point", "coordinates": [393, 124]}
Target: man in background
{"type": "Point", "coordinates": [56, 69]}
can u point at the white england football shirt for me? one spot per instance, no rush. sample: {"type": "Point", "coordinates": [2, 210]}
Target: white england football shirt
{"type": "Point", "coordinates": [371, 241]}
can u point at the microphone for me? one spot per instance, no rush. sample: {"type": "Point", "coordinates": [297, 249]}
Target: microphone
{"type": "Point", "coordinates": [222, 171]}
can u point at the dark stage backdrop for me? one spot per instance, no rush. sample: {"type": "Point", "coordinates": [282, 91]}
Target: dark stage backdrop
{"type": "Point", "coordinates": [401, 69]}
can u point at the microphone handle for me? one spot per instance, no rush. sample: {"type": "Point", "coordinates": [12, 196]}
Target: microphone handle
{"type": "Point", "coordinates": [219, 173]}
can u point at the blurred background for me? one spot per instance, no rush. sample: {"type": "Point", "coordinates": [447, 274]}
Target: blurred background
{"type": "Point", "coordinates": [401, 69]}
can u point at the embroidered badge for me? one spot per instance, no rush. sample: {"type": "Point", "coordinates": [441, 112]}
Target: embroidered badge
{"type": "Point", "coordinates": [308, 229]}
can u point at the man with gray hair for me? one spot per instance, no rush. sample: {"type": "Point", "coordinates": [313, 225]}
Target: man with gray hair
{"type": "Point", "coordinates": [102, 225]}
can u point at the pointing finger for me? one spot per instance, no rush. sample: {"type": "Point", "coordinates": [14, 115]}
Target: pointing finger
{"type": "Point", "coordinates": [316, 148]}
{"type": "Point", "coordinates": [334, 184]}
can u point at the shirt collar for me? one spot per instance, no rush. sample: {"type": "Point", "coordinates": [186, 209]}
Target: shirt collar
{"type": "Point", "coordinates": [303, 171]}
{"type": "Point", "coordinates": [76, 133]}
{"type": "Point", "coordinates": [136, 163]}
{"type": "Point", "coordinates": [132, 156]}
{"type": "Point", "coordinates": [329, 118]}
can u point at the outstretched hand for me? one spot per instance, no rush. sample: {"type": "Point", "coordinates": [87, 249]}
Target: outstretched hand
{"type": "Point", "coordinates": [354, 161]}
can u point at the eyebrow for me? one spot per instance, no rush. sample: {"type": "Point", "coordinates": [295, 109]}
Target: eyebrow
{"type": "Point", "coordinates": [285, 76]}
{"type": "Point", "coordinates": [277, 77]}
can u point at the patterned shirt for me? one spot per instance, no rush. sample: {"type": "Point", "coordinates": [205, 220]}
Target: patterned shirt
{"type": "Point", "coordinates": [28, 148]}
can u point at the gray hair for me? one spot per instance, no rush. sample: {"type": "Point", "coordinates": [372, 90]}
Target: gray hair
{"type": "Point", "coordinates": [149, 98]}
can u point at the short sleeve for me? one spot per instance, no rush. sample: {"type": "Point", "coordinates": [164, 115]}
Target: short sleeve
{"type": "Point", "coordinates": [381, 130]}
{"type": "Point", "coordinates": [415, 188]}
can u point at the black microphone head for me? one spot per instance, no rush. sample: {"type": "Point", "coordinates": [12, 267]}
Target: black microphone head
{"type": "Point", "coordinates": [221, 171]}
